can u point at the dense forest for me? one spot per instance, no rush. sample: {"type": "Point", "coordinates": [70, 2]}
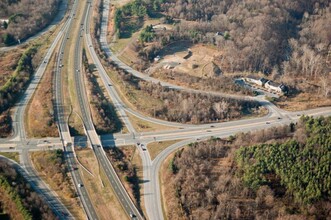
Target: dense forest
{"type": "Point", "coordinates": [282, 173]}
{"type": "Point", "coordinates": [288, 40]}
{"type": "Point", "coordinates": [17, 198]}
{"type": "Point", "coordinates": [25, 18]}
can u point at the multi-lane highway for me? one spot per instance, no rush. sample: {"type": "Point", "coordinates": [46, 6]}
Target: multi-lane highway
{"type": "Point", "coordinates": [151, 194]}
{"type": "Point", "coordinates": [62, 116]}
{"type": "Point", "coordinates": [20, 137]}
{"type": "Point", "coordinates": [90, 131]}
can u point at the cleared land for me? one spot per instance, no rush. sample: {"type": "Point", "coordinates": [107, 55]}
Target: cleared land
{"type": "Point", "coordinates": [195, 60]}
{"type": "Point", "coordinates": [103, 198]}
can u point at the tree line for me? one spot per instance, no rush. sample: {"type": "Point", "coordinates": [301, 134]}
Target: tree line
{"type": "Point", "coordinates": [106, 119]}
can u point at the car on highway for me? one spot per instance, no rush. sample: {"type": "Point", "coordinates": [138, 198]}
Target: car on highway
{"type": "Point", "coordinates": [132, 216]}
{"type": "Point", "coordinates": [143, 147]}
{"type": "Point", "coordinates": [80, 185]}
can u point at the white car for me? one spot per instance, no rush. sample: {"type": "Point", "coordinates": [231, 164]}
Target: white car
{"type": "Point", "coordinates": [143, 147]}
{"type": "Point", "coordinates": [80, 185]}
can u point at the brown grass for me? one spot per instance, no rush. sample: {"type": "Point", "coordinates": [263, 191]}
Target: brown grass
{"type": "Point", "coordinates": [62, 186]}
{"type": "Point", "coordinates": [155, 148]}
{"type": "Point", "coordinates": [103, 199]}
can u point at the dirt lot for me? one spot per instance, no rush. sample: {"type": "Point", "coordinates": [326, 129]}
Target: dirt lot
{"type": "Point", "coordinates": [196, 60]}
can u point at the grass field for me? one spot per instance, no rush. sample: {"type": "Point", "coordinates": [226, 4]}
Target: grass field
{"type": "Point", "coordinates": [302, 101]}
{"type": "Point", "coordinates": [155, 148]}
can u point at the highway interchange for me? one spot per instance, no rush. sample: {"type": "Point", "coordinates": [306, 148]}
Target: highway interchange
{"type": "Point", "coordinates": [19, 143]}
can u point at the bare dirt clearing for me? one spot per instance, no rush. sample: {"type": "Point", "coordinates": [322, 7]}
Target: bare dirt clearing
{"type": "Point", "coordinates": [196, 60]}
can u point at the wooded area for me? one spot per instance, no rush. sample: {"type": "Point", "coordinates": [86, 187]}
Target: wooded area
{"type": "Point", "coordinates": [181, 106]}
{"type": "Point", "coordinates": [25, 18]}
{"type": "Point", "coordinates": [104, 114]}
{"type": "Point", "coordinates": [287, 40]}
{"type": "Point", "coordinates": [24, 202]}
{"type": "Point", "coordinates": [284, 174]}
